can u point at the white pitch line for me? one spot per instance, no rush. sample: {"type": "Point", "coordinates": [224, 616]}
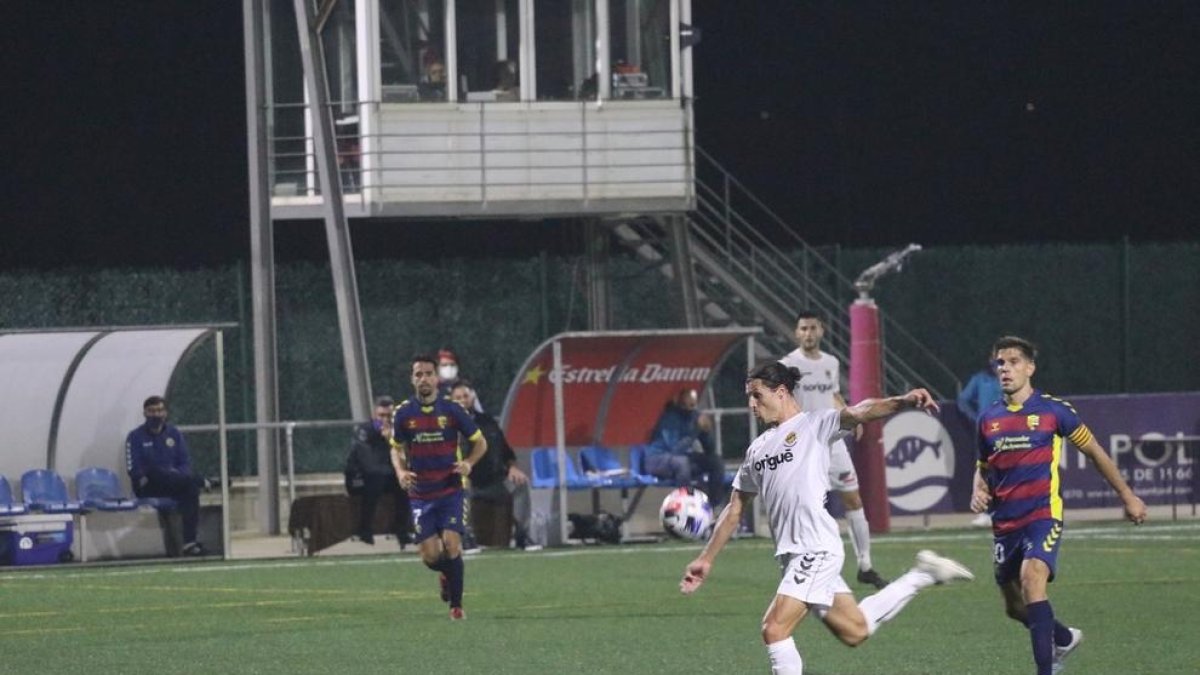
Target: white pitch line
{"type": "Point", "coordinates": [1130, 533]}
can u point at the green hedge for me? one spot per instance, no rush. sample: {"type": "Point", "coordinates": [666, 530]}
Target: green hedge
{"type": "Point", "coordinates": [1068, 298]}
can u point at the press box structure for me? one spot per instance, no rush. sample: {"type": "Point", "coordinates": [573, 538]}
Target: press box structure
{"type": "Point", "coordinates": [486, 108]}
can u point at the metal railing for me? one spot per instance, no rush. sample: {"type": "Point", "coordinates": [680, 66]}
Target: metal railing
{"type": "Point", "coordinates": [785, 273]}
{"type": "Point", "coordinates": [288, 448]}
{"type": "Point", "coordinates": [484, 157]}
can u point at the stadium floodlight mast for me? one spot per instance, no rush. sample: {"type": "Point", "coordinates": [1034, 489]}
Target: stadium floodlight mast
{"type": "Point", "coordinates": [894, 262]}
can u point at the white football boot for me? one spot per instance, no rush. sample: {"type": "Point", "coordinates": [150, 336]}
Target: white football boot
{"type": "Point", "coordinates": [1061, 653]}
{"type": "Point", "coordinates": [942, 569]}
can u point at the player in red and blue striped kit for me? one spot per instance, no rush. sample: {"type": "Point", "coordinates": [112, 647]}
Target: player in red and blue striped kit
{"type": "Point", "coordinates": [425, 454]}
{"type": "Point", "coordinates": [1020, 448]}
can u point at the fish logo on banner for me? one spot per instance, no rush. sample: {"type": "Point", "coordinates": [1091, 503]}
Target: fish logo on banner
{"type": "Point", "coordinates": [919, 456]}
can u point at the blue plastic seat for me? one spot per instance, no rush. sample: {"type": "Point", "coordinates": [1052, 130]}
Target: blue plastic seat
{"type": "Point", "coordinates": [637, 466]}
{"type": "Point", "coordinates": [7, 507]}
{"type": "Point", "coordinates": [606, 466]}
{"type": "Point", "coordinates": [44, 490]}
{"type": "Point", "coordinates": [544, 462]}
{"type": "Point", "coordinates": [99, 488]}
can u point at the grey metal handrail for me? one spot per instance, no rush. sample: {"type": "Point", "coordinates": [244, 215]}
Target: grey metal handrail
{"type": "Point", "coordinates": [727, 231]}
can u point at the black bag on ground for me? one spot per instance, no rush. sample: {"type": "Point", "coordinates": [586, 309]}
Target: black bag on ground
{"type": "Point", "coordinates": [602, 526]}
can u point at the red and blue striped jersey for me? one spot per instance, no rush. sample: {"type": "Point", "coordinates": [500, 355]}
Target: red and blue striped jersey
{"type": "Point", "coordinates": [1020, 448]}
{"type": "Point", "coordinates": [431, 434]}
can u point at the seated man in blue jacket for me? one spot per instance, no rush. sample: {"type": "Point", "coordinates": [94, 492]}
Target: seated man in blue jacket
{"type": "Point", "coordinates": [157, 459]}
{"type": "Point", "coordinates": [681, 447]}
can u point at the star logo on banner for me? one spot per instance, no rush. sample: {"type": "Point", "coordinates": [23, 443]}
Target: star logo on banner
{"type": "Point", "coordinates": [533, 375]}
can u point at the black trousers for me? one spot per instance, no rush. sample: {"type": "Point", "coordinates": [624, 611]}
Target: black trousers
{"type": "Point", "coordinates": [375, 485]}
{"type": "Point", "coordinates": [184, 489]}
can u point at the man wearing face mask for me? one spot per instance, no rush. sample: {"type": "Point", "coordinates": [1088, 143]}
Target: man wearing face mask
{"type": "Point", "coordinates": [159, 465]}
{"type": "Point", "coordinates": [497, 476]}
{"type": "Point", "coordinates": [369, 473]}
{"type": "Point", "coordinates": [448, 373]}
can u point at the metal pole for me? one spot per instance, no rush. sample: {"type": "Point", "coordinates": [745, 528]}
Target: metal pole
{"type": "Point", "coordinates": [223, 445]}
{"type": "Point", "coordinates": [290, 434]}
{"type": "Point", "coordinates": [749, 366]}
{"type": "Point", "coordinates": [681, 249]}
{"type": "Point", "coordinates": [717, 432]}
{"type": "Point", "coordinates": [337, 230]}
{"type": "Point", "coordinates": [560, 438]}
{"type": "Point", "coordinates": [1126, 280]}
{"type": "Point", "coordinates": [243, 363]}
{"type": "Point", "coordinates": [603, 68]}
{"type": "Point", "coordinates": [262, 264]}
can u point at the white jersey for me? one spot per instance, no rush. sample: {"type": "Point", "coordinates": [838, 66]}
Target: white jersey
{"type": "Point", "coordinates": [819, 379]}
{"type": "Point", "coordinates": [788, 468]}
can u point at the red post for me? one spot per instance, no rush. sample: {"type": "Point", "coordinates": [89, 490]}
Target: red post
{"type": "Point", "coordinates": [866, 381]}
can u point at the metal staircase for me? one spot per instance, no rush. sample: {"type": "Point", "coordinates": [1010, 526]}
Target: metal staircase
{"type": "Point", "coordinates": [742, 276]}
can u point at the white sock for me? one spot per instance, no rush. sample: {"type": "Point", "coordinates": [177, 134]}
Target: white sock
{"type": "Point", "coordinates": [785, 659]}
{"type": "Point", "coordinates": [888, 602]}
{"type": "Point", "coordinates": [860, 537]}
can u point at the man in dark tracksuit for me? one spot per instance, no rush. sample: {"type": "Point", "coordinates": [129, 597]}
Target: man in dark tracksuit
{"type": "Point", "coordinates": [157, 459]}
{"type": "Point", "coordinates": [497, 475]}
{"type": "Point", "coordinates": [369, 473]}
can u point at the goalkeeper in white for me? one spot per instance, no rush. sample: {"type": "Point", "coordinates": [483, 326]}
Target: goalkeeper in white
{"type": "Point", "coordinates": [788, 466]}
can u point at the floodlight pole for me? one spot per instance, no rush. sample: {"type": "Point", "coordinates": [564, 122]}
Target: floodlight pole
{"type": "Point", "coordinates": [262, 266]}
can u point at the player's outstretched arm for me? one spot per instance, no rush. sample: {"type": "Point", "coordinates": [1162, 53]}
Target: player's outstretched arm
{"type": "Point", "coordinates": [698, 570]}
{"type": "Point", "coordinates": [1135, 508]}
{"type": "Point", "coordinates": [871, 409]}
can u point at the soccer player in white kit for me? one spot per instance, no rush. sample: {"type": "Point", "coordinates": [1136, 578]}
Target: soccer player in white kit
{"type": "Point", "coordinates": [820, 389]}
{"type": "Point", "coordinates": [788, 465]}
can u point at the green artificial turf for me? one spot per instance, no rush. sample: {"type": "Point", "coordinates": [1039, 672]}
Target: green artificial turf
{"type": "Point", "coordinates": [594, 609]}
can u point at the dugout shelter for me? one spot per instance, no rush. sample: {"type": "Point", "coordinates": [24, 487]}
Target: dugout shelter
{"type": "Point", "coordinates": [607, 388]}
{"type": "Point", "coordinates": [69, 396]}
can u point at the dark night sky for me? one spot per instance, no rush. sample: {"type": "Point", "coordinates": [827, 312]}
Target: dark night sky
{"type": "Point", "coordinates": [864, 122]}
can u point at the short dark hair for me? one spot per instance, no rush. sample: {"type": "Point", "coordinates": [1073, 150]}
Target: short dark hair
{"type": "Point", "coordinates": [1013, 342]}
{"type": "Point", "coordinates": [461, 382]}
{"type": "Point", "coordinates": [385, 401]}
{"type": "Point", "coordinates": [153, 400]}
{"type": "Point", "coordinates": [809, 314]}
{"type": "Point", "coordinates": [422, 358]}
{"type": "Point", "coordinates": [775, 374]}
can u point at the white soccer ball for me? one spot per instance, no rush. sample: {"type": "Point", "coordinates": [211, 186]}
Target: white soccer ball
{"type": "Point", "coordinates": [686, 513]}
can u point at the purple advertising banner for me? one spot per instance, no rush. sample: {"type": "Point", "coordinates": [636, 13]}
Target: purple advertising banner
{"type": "Point", "coordinates": [931, 460]}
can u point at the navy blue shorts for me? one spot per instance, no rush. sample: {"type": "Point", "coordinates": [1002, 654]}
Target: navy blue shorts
{"type": "Point", "coordinates": [1039, 539]}
{"type": "Point", "coordinates": [433, 516]}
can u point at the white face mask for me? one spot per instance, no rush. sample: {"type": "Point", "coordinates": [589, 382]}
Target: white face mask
{"type": "Point", "coordinates": [448, 372]}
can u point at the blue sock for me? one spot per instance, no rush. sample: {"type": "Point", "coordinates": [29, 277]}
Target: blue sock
{"type": "Point", "coordinates": [1040, 619]}
{"type": "Point", "coordinates": [455, 577]}
{"type": "Point", "coordinates": [1062, 636]}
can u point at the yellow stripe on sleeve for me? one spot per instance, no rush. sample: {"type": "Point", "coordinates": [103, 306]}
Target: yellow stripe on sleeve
{"type": "Point", "coordinates": [1081, 436]}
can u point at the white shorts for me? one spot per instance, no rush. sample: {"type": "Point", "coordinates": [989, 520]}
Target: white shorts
{"type": "Point", "coordinates": [842, 476]}
{"type": "Point", "coordinates": [812, 578]}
